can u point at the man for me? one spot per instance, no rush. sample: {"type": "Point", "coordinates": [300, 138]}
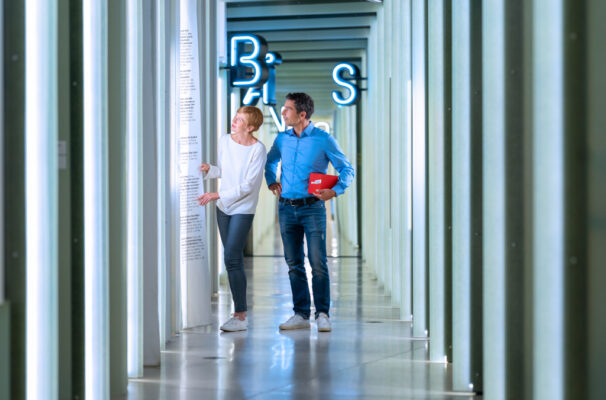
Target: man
{"type": "Point", "coordinates": [305, 149]}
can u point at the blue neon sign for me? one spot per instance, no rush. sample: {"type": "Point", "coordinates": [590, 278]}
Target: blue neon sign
{"type": "Point", "coordinates": [338, 77]}
{"type": "Point", "coordinates": [251, 97]}
{"type": "Point", "coordinates": [268, 91]}
{"type": "Point", "coordinates": [272, 58]}
{"type": "Point", "coordinates": [254, 72]}
{"type": "Point", "coordinates": [248, 69]}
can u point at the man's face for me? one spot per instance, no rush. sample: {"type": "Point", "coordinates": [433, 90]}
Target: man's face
{"type": "Point", "coordinates": [289, 113]}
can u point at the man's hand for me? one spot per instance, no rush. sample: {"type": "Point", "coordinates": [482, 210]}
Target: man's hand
{"type": "Point", "coordinates": [207, 197]}
{"type": "Point", "coordinates": [276, 188]}
{"type": "Point", "coordinates": [325, 194]}
{"type": "Point", "coordinates": [204, 168]}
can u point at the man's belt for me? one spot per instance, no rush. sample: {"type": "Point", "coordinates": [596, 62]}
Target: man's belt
{"type": "Point", "coordinates": [299, 202]}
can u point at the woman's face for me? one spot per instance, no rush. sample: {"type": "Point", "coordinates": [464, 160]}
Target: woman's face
{"type": "Point", "coordinates": [240, 123]}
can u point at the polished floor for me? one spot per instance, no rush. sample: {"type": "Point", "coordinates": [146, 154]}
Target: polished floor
{"type": "Point", "coordinates": [370, 353]}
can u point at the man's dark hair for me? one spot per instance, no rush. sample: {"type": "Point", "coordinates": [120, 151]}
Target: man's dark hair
{"type": "Point", "coordinates": [303, 102]}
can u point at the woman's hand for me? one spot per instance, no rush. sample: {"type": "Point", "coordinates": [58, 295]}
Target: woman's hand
{"type": "Point", "coordinates": [204, 168]}
{"type": "Point", "coordinates": [207, 197]}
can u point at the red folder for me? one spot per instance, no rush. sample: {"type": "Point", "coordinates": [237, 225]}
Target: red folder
{"type": "Point", "coordinates": [321, 181]}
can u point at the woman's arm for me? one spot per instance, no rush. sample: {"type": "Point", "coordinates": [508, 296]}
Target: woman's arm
{"type": "Point", "coordinates": [212, 171]}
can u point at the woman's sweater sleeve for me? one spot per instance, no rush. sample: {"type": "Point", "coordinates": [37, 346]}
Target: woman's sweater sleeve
{"type": "Point", "coordinates": [254, 174]}
{"type": "Point", "coordinates": [215, 171]}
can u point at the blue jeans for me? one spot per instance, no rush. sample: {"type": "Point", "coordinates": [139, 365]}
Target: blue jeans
{"type": "Point", "coordinates": [234, 230]}
{"type": "Point", "coordinates": [308, 220]}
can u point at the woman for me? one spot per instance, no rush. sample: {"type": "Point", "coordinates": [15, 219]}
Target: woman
{"type": "Point", "coordinates": [240, 166]}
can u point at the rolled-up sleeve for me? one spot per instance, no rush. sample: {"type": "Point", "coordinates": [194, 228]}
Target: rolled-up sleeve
{"type": "Point", "coordinates": [271, 165]}
{"type": "Point", "coordinates": [215, 170]}
{"type": "Point", "coordinates": [213, 173]}
{"type": "Point", "coordinates": [341, 164]}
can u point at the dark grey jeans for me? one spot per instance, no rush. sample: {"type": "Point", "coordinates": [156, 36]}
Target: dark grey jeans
{"type": "Point", "coordinates": [234, 230]}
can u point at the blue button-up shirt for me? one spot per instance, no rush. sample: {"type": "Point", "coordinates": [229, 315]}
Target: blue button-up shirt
{"type": "Point", "coordinates": [303, 155]}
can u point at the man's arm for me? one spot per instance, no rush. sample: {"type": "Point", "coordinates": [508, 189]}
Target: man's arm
{"type": "Point", "coordinates": [342, 165]}
{"type": "Point", "coordinates": [271, 167]}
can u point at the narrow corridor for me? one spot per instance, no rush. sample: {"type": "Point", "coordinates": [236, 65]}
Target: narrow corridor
{"type": "Point", "coordinates": [370, 353]}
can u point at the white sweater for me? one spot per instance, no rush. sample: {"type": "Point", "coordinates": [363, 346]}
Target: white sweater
{"type": "Point", "coordinates": [241, 171]}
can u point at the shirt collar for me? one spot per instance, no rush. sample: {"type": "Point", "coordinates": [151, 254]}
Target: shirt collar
{"type": "Point", "coordinates": [306, 131]}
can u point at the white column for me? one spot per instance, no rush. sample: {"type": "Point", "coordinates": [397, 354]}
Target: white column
{"type": "Point", "coordinates": [439, 201]}
{"type": "Point", "coordinates": [163, 183]}
{"type": "Point", "coordinates": [461, 201]}
{"type": "Point", "coordinates": [397, 159]}
{"type": "Point", "coordinates": [211, 97]}
{"type": "Point", "coordinates": [548, 200]}
{"type": "Point", "coordinates": [195, 273]}
{"type": "Point", "coordinates": [94, 22]}
{"type": "Point", "coordinates": [150, 169]}
{"type": "Point", "coordinates": [175, 226]}
{"type": "Point", "coordinates": [382, 153]}
{"type": "Point", "coordinates": [386, 255]}
{"type": "Point", "coordinates": [405, 127]}
{"type": "Point", "coordinates": [493, 60]}
{"type": "Point", "coordinates": [134, 51]}
{"type": "Point", "coordinates": [369, 218]}
{"type": "Point", "coordinates": [419, 179]}
{"type": "Point", "coordinates": [466, 197]}
{"type": "Point", "coordinates": [41, 177]}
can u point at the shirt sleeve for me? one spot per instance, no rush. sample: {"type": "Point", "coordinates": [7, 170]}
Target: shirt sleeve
{"type": "Point", "coordinates": [254, 173]}
{"type": "Point", "coordinates": [215, 170]}
{"type": "Point", "coordinates": [271, 166]}
{"type": "Point", "coordinates": [341, 164]}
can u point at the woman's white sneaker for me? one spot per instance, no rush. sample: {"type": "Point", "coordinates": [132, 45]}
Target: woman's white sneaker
{"type": "Point", "coordinates": [234, 324]}
{"type": "Point", "coordinates": [323, 323]}
{"type": "Point", "coordinates": [295, 322]}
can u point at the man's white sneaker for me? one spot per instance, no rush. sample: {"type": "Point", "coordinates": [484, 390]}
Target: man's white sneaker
{"type": "Point", "coordinates": [323, 323]}
{"type": "Point", "coordinates": [234, 324]}
{"type": "Point", "coordinates": [295, 322]}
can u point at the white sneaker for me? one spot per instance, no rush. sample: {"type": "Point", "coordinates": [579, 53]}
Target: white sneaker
{"type": "Point", "coordinates": [295, 322]}
{"type": "Point", "coordinates": [234, 324]}
{"type": "Point", "coordinates": [323, 323]}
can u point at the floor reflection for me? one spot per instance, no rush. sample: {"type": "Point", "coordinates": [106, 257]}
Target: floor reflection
{"type": "Point", "coordinates": [370, 354]}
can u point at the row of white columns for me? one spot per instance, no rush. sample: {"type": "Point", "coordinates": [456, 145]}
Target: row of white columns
{"type": "Point", "coordinates": [493, 268]}
{"type": "Point", "coordinates": [148, 274]}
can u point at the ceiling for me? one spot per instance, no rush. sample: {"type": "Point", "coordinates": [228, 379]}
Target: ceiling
{"type": "Point", "coordinates": [311, 35]}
